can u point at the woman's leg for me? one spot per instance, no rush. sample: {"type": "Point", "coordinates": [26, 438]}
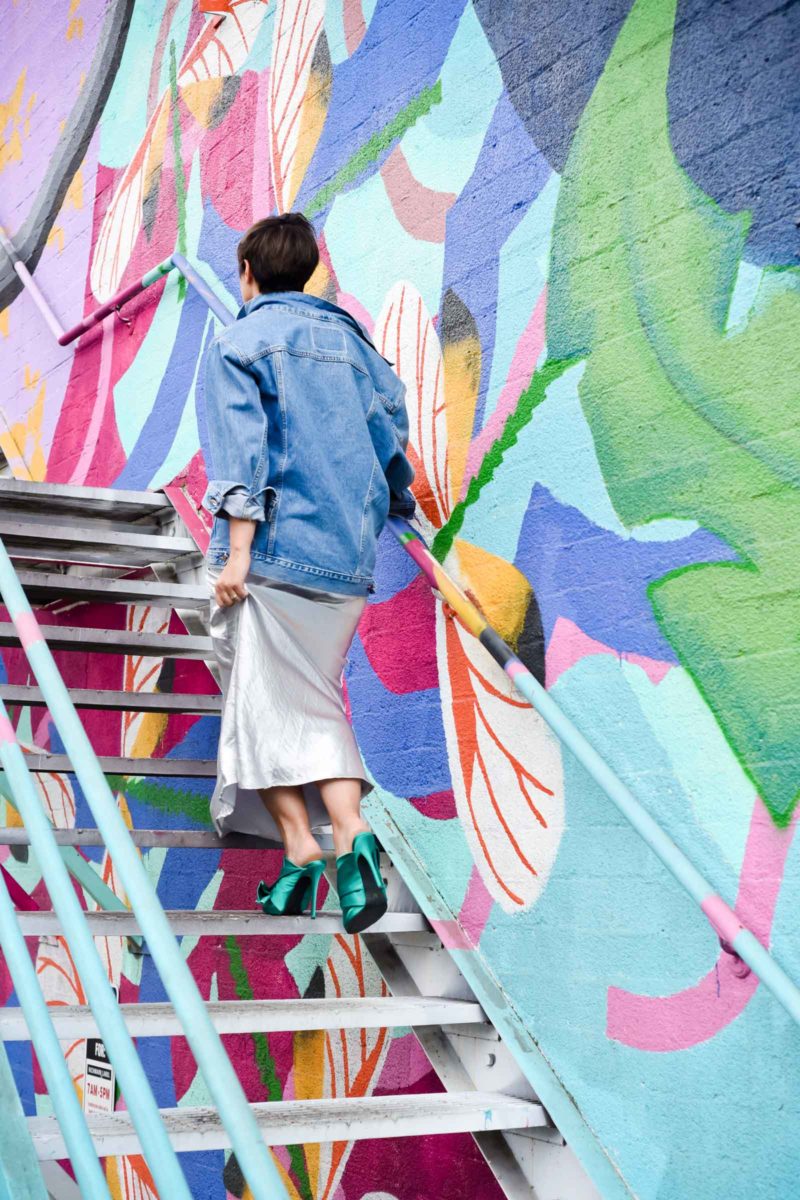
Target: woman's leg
{"type": "Point", "coordinates": [342, 799]}
{"type": "Point", "coordinates": [287, 807]}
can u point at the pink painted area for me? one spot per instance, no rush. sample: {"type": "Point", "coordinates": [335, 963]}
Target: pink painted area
{"type": "Point", "coordinates": [422, 211]}
{"type": "Point", "coordinates": [8, 734]}
{"type": "Point", "coordinates": [515, 668]}
{"type": "Point", "coordinates": [476, 907]}
{"type": "Point", "coordinates": [722, 917]}
{"type": "Point", "coordinates": [28, 629]}
{"type": "Point", "coordinates": [684, 1019]}
{"type": "Point", "coordinates": [19, 897]}
{"type": "Point", "coordinates": [452, 935]}
{"type": "Point", "coordinates": [529, 347]}
{"type": "Point", "coordinates": [102, 392]}
{"type": "Point", "coordinates": [438, 806]}
{"type": "Point", "coordinates": [263, 198]}
{"type": "Point", "coordinates": [387, 631]}
{"type": "Point", "coordinates": [189, 515]}
{"type": "Point", "coordinates": [354, 24]}
{"type": "Point", "coordinates": [569, 644]}
{"type": "Point", "coordinates": [348, 301]}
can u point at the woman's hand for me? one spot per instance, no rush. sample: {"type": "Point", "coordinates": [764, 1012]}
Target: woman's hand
{"type": "Point", "coordinates": [229, 588]}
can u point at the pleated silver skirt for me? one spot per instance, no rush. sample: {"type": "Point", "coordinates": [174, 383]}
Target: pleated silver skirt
{"type": "Point", "coordinates": [281, 654]}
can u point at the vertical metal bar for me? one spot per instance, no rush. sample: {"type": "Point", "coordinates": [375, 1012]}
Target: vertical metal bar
{"type": "Point", "coordinates": [138, 1095]}
{"type": "Point", "coordinates": [720, 915]}
{"type": "Point", "coordinates": [252, 1155]}
{"type": "Point", "coordinates": [60, 1088]}
{"type": "Point", "coordinates": [31, 286]}
{"type": "Point", "coordinates": [20, 1177]}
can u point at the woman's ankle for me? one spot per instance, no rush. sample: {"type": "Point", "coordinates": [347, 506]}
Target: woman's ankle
{"type": "Point", "coordinates": [302, 851]}
{"type": "Point", "coordinates": [344, 835]}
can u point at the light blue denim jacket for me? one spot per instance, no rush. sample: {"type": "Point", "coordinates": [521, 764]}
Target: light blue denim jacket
{"type": "Point", "coordinates": [307, 428]}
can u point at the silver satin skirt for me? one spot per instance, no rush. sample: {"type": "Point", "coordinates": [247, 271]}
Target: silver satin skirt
{"type": "Point", "coordinates": [281, 654]}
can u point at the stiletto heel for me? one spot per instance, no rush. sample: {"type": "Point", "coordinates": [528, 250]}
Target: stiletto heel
{"type": "Point", "coordinates": [362, 891]}
{"type": "Point", "coordinates": [290, 893]}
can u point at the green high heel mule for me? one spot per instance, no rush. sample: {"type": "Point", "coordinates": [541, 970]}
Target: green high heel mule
{"type": "Point", "coordinates": [362, 891]}
{"type": "Point", "coordinates": [289, 895]}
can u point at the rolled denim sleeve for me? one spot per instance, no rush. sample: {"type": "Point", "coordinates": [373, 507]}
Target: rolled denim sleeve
{"type": "Point", "coordinates": [237, 435]}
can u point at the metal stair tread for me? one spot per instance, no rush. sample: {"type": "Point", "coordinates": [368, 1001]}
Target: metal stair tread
{"type": "Point", "coordinates": [148, 839]}
{"type": "Point", "coordinates": [283, 1122]}
{"type": "Point", "coordinates": [218, 923]}
{"type": "Point", "coordinates": [115, 641]}
{"type": "Point", "coordinates": [44, 586]}
{"type": "Point", "coordinates": [133, 767]}
{"type": "Point", "coordinates": [53, 542]}
{"type": "Point", "coordinates": [27, 496]}
{"type": "Point", "coordinates": [158, 1019]}
{"type": "Point", "coordinates": [118, 700]}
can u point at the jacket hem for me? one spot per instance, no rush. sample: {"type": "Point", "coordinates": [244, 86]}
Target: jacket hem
{"type": "Point", "coordinates": [285, 571]}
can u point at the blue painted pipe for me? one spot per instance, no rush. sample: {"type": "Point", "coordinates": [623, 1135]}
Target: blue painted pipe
{"type": "Point", "coordinates": [256, 1162]}
{"type": "Point", "coordinates": [88, 1172]}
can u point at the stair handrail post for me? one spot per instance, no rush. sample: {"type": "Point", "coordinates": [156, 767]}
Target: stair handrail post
{"type": "Point", "coordinates": [138, 1094]}
{"type": "Point", "coordinates": [733, 935]}
{"type": "Point", "coordinates": [254, 1159]}
{"type": "Point", "coordinates": [83, 1156]}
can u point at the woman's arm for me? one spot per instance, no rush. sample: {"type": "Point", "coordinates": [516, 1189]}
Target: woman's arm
{"type": "Point", "coordinates": [237, 434]}
{"type": "Point", "coordinates": [230, 588]}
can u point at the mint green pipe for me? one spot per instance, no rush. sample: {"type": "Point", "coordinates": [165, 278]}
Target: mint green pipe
{"type": "Point", "coordinates": [254, 1159]}
{"type": "Point", "coordinates": [140, 1100]}
{"type": "Point", "coordinates": [88, 1172]}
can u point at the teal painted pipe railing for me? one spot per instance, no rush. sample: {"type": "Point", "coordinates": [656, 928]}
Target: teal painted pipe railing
{"type": "Point", "coordinates": [88, 1172]}
{"type": "Point", "coordinates": [734, 937]}
{"type": "Point", "coordinates": [254, 1159]}
{"type": "Point", "coordinates": [138, 1095]}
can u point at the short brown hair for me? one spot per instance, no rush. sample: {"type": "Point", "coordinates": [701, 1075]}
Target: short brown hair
{"type": "Point", "coordinates": [282, 252]}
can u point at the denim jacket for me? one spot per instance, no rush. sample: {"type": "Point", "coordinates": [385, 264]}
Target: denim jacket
{"type": "Point", "coordinates": [307, 428]}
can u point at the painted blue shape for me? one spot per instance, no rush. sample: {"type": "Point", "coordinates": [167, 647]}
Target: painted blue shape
{"type": "Point", "coordinates": [158, 1067]}
{"type": "Point", "coordinates": [509, 174]}
{"type": "Point", "coordinates": [402, 736]}
{"type": "Point", "coordinates": [182, 886]}
{"type": "Point", "coordinates": [158, 431]}
{"type": "Point", "coordinates": [599, 580]}
{"type": "Point", "coordinates": [20, 1058]}
{"type": "Point", "coordinates": [402, 52]}
{"type": "Point", "coordinates": [394, 568]}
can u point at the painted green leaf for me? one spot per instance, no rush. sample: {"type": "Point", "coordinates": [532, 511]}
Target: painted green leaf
{"type": "Point", "coordinates": [688, 421]}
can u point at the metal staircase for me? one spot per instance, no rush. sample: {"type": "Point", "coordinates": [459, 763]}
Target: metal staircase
{"type": "Point", "coordinates": [74, 546]}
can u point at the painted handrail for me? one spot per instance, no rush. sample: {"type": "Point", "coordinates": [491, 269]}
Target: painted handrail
{"type": "Point", "coordinates": [176, 262]}
{"type": "Point", "coordinates": [734, 937]}
{"type": "Point", "coordinates": [88, 1172]}
{"type": "Point", "coordinates": [254, 1159]}
{"type": "Point", "coordinates": [138, 1094]}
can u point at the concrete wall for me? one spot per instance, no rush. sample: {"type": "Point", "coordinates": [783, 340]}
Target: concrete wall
{"type": "Point", "coordinates": [574, 226]}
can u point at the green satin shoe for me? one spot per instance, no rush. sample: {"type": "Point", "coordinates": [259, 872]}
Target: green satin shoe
{"type": "Point", "coordinates": [291, 892]}
{"type": "Point", "coordinates": [362, 891]}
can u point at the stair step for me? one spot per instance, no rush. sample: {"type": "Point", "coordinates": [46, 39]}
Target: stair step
{"type": "Point", "coordinates": [45, 586]}
{"type": "Point", "coordinates": [288, 1122]}
{"type": "Point", "coordinates": [48, 541]}
{"type": "Point", "coordinates": [260, 1016]}
{"type": "Point", "coordinates": [148, 839]}
{"type": "Point", "coordinates": [48, 498]}
{"type": "Point", "coordinates": [220, 923]}
{"type": "Point", "coordinates": [119, 701]}
{"type": "Point", "coordinates": [116, 641]}
{"type": "Point", "coordinates": [205, 768]}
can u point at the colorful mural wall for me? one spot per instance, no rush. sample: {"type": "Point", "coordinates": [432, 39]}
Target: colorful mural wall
{"type": "Point", "coordinates": [573, 225]}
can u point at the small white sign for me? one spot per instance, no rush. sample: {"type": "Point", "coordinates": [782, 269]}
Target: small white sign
{"type": "Point", "coordinates": [99, 1083]}
{"type": "Point", "coordinates": [99, 1080]}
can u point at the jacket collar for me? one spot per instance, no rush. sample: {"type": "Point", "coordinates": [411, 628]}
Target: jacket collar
{"type": "Point", "coordinates": [303, 299]}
